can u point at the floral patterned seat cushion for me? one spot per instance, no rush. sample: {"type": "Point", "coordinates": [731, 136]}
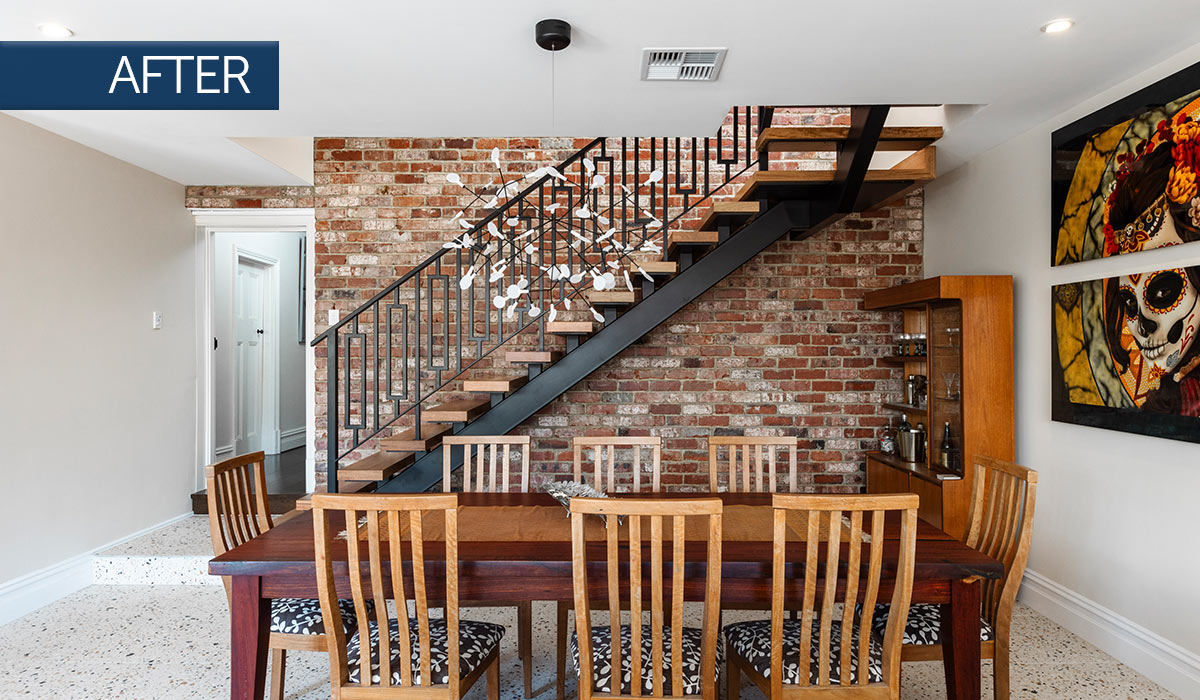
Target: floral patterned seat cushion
{"type": "Point", "coordinates": [689, 652]}
{"type": "Point", "coordinates": [476, 642]}
{"type": "Point", "coordinates": [752, 641]}
{"type": "Point", "coordinates": [924, 624]}
{"type": "Point", "coordinates": [303, 615]}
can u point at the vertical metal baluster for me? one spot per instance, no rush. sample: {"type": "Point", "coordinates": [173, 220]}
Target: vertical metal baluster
{"type": "Point", "coordinates": [417, 350]}
{"type": "Point", "coordinates": [374, 368]}
{"type": "Point", "coordinates": [458, 316]}
{"type": "Point", "coordinates": [749, 139]}
{"type": "Point", "coordinates": [624, 197]}
{"type": "Point", "coordinates": [332, 440]}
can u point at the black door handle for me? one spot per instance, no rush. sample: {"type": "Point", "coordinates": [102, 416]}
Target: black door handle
{"type": "Point", "coordinates": [260, 331]}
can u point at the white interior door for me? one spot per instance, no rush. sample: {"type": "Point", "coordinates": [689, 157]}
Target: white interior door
{"type": "Point", "coordinates": [249, 304]}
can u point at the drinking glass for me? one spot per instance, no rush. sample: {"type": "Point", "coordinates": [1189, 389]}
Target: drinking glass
{"type": "Point", "coordinates": [951, 379]}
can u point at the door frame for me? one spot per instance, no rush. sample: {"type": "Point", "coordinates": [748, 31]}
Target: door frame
{"type": "Point", "coordinates": [210, 222]}
{"type": "Point", "coordinates": [269, 426]}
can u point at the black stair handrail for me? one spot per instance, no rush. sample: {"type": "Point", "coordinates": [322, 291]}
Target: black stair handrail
{"type": "Point", "coordinates": [370, 349]}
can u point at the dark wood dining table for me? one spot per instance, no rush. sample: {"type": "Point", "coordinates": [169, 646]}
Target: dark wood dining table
{"type": "Point", "coordinates": [536, 566]}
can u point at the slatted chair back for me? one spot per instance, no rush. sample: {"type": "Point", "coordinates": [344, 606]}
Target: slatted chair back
{"type": "Point", "coordinates": [757, 457]}
{"type": "Point", "coordinates": [863, 566]}
{"type": "Point", "coordinates": [237, 503]}
{"type": "Point", "coordinates": [1000, 524]}
{"type": "Point", "coordinates": [644, 522]}
{"type": "Point", "coordinates": [604, 475]}
{"type": "Point", "coordinates": [390, 521]}
{"type": "Point", "coordinates": [490, 468]}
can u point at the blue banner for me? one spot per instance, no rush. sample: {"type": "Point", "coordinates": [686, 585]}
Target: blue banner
{"type": "Point", "coordinates": [139, 75]}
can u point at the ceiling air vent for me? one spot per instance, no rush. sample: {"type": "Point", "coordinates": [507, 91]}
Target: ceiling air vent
{"type": "Point", "coordinates": [682, 64]}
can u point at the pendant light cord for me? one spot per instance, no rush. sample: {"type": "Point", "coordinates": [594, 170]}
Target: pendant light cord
{"type": "Point", "coordinates": [553, 96]}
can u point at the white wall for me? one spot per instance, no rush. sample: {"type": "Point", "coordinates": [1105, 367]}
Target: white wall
{"type": "Point", "coordinates": [98, 411]}
{"type": "Point", "coordinates": [1118, 517]}
{"type": "Point", "coordinates": [284, 247]}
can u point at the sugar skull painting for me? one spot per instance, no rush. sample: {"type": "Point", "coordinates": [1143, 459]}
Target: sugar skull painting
{"type": "Point", "coordinates": [1125, 351]}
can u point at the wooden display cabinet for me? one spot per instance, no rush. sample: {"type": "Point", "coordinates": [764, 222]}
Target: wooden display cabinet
{"type": "Point", "coordinates": [968, 364]}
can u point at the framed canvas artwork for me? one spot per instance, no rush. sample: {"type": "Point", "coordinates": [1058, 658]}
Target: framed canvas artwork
{"type": "Point", "coordinates": [1124, 178]}
{"type": "Point", "coordinates": [1125, 355]}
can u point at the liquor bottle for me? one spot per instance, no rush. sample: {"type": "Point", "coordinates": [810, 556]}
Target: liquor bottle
{"type": "Point", "coordinates": [904, 424]}
{"type": "Point", "coordinates": [946, 456]}
{"type": "Point", "coordinates": [921, 442]}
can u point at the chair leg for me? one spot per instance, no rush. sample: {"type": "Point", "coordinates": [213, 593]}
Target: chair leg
{"type": "Point", "coordinates": [525, 644]}
{"type": "Point", "coordinates": [733, 678]}
{"type": "Point", "coordinates": [493, 679]}
{"type": "Point", "coordinates": [278, 666]}
{"type": "Point", "coordinates": [1000, 677]}
{"type": "Point", "coordinates": [560, 655]}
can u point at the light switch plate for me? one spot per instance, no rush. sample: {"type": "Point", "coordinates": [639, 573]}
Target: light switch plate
{"type": "Point", "coordinates": [156, 321]}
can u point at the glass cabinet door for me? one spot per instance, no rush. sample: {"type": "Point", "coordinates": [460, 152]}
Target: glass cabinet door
{"type": "Point", "coordinates": [945, 388]}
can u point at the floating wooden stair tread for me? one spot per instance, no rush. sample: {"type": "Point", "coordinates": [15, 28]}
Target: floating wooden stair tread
{"type": "Point", "coordinates": [826, 138]}
{"type": "Point", "coordinates": [532, 357]}
{"type": "Point", "coordinates": [410, 441]}
{"type": "Point", "coordinates": [675, 238]}
{"type": "Point", "coordinates": [734, 208]}
{"type": "Point", "coordinates": [571, 327]}
{"type": "Point", "coordinates": [499, 384]}
{"type": "Point", "coordinates": [657, 267]}
{"type": "Point", "coordinates": [375, 467]}
{"type": "Point", "coordinates": [611, 297]}
{"type": "Point", "coordinates": [919, 167]}
{"type": "Point", "coordinates": [455, 411]}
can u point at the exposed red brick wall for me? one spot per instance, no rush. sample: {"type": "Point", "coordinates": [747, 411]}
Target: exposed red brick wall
{"type": "Point", "coordinates": [780, 347]}
{"type": "Point", "coordinates": [244, 197]}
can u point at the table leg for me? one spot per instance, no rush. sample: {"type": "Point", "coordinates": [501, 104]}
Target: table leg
{"type": "Point", "coordinates": [250, 628]}
{"type": "Point", "coordinates": [560, 652]}
{"type": "Point", "coordinates": [960, 641]}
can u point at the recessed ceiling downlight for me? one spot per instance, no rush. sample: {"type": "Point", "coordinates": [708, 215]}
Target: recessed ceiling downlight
{"type": "Point", "coordinates": [1057, 26]}
{"type": "Point", "coordinates": [53, 30]}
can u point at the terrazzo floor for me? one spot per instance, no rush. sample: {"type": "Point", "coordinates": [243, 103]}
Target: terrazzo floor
{"type": "Point", "coordinates": [167, 642]}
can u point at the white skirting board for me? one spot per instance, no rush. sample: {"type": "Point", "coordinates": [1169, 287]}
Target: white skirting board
{"type": "Point", "coordinates": [291, 439]}
{"type": "Point", "coordinates": [27, 593]}
{"type": "Point", "coordinates": [1148, 653]}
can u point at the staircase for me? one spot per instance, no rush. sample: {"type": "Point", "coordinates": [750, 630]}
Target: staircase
{"type": "Point", "coordinates": [431, 355]}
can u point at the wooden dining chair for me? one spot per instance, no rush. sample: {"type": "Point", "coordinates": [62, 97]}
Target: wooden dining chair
{"type": "Point", "coordinates": [667, 659]}
{"type": "Point", "coordinates": [605, 477]}
{"type": "Point", "coordinates": [237, 513]}
{"type": "Point", "coordinates": [829, 652]}
{"type": "Point", "coordinates": [757, 456]}
{"type": "Point", "coordinates": [489, 470]}
{"type": "Point", "coordinates": [416, 658]}
{"type": "Point", "coordinates": [999, 524]}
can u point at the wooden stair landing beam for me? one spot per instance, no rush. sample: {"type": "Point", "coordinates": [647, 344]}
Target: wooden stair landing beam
{"type": "Point", "coordinates": [777, 139]}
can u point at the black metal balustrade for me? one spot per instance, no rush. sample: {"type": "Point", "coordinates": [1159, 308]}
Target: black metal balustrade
{"type": "Point", "coordinates": [611, 204]}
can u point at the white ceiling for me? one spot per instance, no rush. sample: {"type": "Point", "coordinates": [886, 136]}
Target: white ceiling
{"type": "Point", "coordinates": [471, 68]}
